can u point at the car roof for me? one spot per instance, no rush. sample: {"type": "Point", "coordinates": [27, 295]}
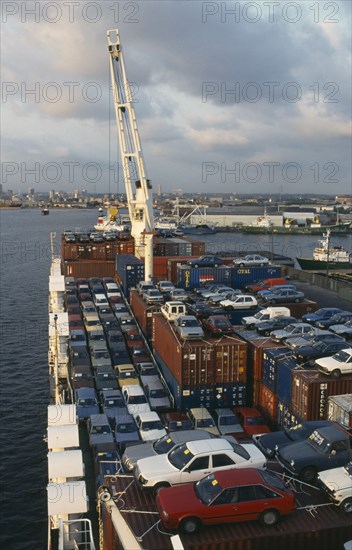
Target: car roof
{"type": "Point", "coordinates": [235, 477]}
{"type": "Point", "coordinates": [224, 412]}
{"type": "Point", "coordinates": [184, 436]}
{"type": "Point", "coordinates": [145, 416]}
{"type": "Point", "coordinates": [209, 445]}
{"type": "Point", "coordinates": [98, 419]}
{"type": "Point", "coordinates": [200, 412]}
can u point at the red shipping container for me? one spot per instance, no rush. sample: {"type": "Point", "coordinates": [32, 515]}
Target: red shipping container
{"type": "Point", "coordinates": [84, 270]}
{"type": "Point", "coordinates": [301, 308]}
{"type": "Point", "coordinates": [267, 403]}
{"type": "Point", "coordinates": [143, 312]}
{"type": "Point", "coordinates": [311, 390]}
{"type": "Point", "coordinates": [230, 360]}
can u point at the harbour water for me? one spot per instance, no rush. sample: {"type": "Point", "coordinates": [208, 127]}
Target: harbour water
{"type": "Point", "coordinates": [25, 262]}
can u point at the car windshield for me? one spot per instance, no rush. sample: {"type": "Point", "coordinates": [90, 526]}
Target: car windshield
{"type": "Point", "coordinates": [228, 420]}
{"type": "Point", "coordinates": [320, 345]}
{"type": "Point", "coordinates": [124, 375]}
{"type": "Point", "coordinates": [163, 445]}
{"type": "Point", "coordinates": [342, 357]}
{"type": "Point", "coordinates": [100, 429]}
{"type": "Point", "coordinates": [137, 400]}
{"type": "Point", "coordinates": [290, 328]}
{"type": "Point", "coordinates": [125, 427]}
{"type": "Point", "coordinates": [273, 479]}
{"type": "Point", "coordinates": [106, 376]}
{"type": "Point", "coordinates": [205, 423]}
{"type": "Point", "coordinates": [255, 421]}
{"type": "Point", "coordinates": [260, 315]}
{"type": "Point", "coordinates": [180, 456]}
{"type": "Point", "coordinates": [153, 292]}
{"type": "Point", "coordinates": [157, 393]}
{"type": "Point", "coordinates": [115, 402]}
{"type": "Point", "coordinates": [318, 442]}
{"type": "Point", "coordinates": [207, 489]}
{"type": "Point", "coordinates": [100, 355]}
{"type": "Point", "coordinates": [180, 425]}
{"type": "Point", "coordinates": [189, 323]}
{"type": "Point", "coordinates": [88, 402]}
{"type": "Point", "coordinates": [148, 371]}
{"type": "Point", "coordinates": [222, 323]}
{"type": "Point", "coordinates": [152, 425]}
{"type": "Point", "coordinates": [241, 451]}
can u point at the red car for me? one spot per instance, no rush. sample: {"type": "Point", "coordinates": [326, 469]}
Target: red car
{"type": "Point", "coordinates": [134, 339]}
{"type": "Point", "coordinates": [251, 421]}
{"type": "Point", "coordinates": [176, 421]}
{"type": "Point", "coordinates": [218, 324]}
{"type": "Point", "coordinates": [225, 497]}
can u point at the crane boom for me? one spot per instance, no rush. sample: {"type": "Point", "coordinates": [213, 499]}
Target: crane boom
{"type": "Point", "coordinates": [138, 186]}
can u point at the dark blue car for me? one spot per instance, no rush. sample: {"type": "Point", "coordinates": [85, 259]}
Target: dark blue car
{"type": "Point", "coordinates": [206, 261]}
{"type": "Point", "coordinates": [320, 314]}
{"type": "Point", "coordinates": [86, 402]}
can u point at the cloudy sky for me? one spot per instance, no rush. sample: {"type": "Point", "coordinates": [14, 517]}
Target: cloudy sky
{"type": "Point", "coordinates": [234, 97]}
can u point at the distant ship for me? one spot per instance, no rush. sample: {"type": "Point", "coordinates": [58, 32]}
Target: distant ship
{"type": "Point", "coordinates": [200, 229]}
{"type": "Point", "coordinates": [112, 221]}
{"type": "Point", "coordinates": [326, 256]}
{"type": "Point", "coordinates": [45, 211]}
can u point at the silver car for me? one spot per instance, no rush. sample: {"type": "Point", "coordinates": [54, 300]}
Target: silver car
{"type": "Point", "coordinates": [188, 327]}
{"type": "Point", "coordinates": [160, 446]}
{"type": "Point", "coordinates": [251, 259]}
{"type": "Point", "coordinates": [157, 395]}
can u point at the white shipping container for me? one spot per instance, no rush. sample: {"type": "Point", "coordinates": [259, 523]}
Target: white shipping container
{"type": "Point", "coordinates": [340, 409]}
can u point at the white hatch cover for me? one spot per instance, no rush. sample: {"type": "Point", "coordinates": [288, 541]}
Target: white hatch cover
{"type": "Point", "coordinates": [62, 437]}
{"type": "Point", "coordinates": [61, 323]}
{"type": "Point", "coordinates": [65, 464]}
{"type": "Point", "coordinates": [59, 415]}
{"type": "Point", "coordinates": [67, 498]}
{"type": "Point", "coordinates": [56, 283]}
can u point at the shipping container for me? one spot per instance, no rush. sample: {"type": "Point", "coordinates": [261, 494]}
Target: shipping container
{"type": "Point", "coordinates": [129, 270]}
{"type": "Point", "coordinates": [285, 367]}
{"type": "Point", "coordinates": [171, 266]}
{"type": "Point", "coordinates": [194, 277]}
{"type": "Point", "coordinates": [210, 396]}
{"type": "Point", "coordinates": [243, 276]}
{"type": "Point", "coordinates": [69, 251]}
{"type": "Point", "coordinates": [340, 409]}
{"type": "Point", "coordinates": [85, 270]}
{"type": "Point", "coordinates": [271, 357]}
{"type": "Point", "coordinates": [143, 313]}
{"type": "Point", "coordinates": [285, 418]}
{"type": "Point", "coordinates": [230, 360]}
{"type": "Point", "coordinates": [190, 362]}
{"type": "Point", "coordinates": [301, 308]}
{"type": "Point", "coordinates": [311, 390]}
{"type": "Point", "coordinates": [267, 403]}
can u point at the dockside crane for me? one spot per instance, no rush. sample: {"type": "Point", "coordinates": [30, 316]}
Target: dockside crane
{"type": "Point", "coordinates": [138, 186]}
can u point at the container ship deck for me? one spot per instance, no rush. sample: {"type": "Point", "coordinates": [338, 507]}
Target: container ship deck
{"type": "Point", "coordinates": [243, 369]}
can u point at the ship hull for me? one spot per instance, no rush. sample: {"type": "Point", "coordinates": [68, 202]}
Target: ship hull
{"type": "Point", "coordinates": [335, 230]}
{"type": "Point", "coordinates": [316, 265]}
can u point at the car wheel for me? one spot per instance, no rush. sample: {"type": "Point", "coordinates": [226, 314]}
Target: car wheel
{"type": "Point", "coordinates": [216, 265]}
{"type": "Point", "coordinates": [346, 506]}
{"type": "Point", "coordinates": [267, 333]}
{"type": "Point", "coordinates": [190, 525]}
{"type": "Point", "coordinates": [241, 265]}
{"type": "Point", "coordinates": [269, 517]}
{"type": "Point", "coordinates": [308, 474]}
{"type": "Point", "coordinates": [261, 265]}
{"type": "Point", "coordinates": [196, 265]}
{"type": "Point", "coordinates": [253, 307]}
{"type": "Point", "coordinates": [297, 300]}
{"type": "Point", "coordinates": [159, 486]}
{"type": "Point", "coordinates": [336, 373]}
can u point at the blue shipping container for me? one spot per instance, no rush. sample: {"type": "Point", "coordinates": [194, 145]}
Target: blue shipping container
{"type": "Point", "coordinates": [285, 419]}
{"type": "Point", "coordinates": [242, 276]}
{"type": "Point", "coordinates": [130, 271]}
{"type": "Point", "coordinates": [271, 358]}
{"type": "Point", "coordinates": [194, 277]}
{"type": "Point", "coordinates": [284, 379]}
{"type": "Point", "coordinates": [209, 396]}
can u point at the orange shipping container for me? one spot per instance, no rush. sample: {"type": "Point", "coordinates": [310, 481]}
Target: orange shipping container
{"type": "Point", "coordinates": [230, 360]}
{"type": "Point", "coordinates": [82, 269]}
{"type": "Point", "coordinates": [267, 403]}
{"type": "Point", "coordinates": [143, 312]}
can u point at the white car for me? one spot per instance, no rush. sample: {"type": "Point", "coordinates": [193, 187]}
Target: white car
{"type": "Point", "coordinates": [178, 294]}
{"type": "Point", "coordinates": [340, 363]}
{"type": "Point", "coordinates": [153, 296]}
{"type": "Point", "coordinates": [344, 330]}
{"type": "Point", "coordinates": [165, 286]}
{"type": "Point", "coordinates": [135, 399]}
{"type": "Point", "coordinates": [188, 327]}
{"type": "Point", "coordinates": [150, 426]}
{"type": "Point", "coordinates": [251, 259]}
{"type": "Point", "coordinates": [242, 301]}
{"type": "Point", "coordinates": [191, 461]}
{"type": "Point", "coordinates": [292, 331]}
{"type": "Point", "coordinates": [337, 483]}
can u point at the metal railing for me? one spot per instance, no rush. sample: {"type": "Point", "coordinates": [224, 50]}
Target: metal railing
{"type": "Point", "coordinates": [80, 538]}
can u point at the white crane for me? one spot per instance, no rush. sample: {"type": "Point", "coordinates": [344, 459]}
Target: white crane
{"type": "Point", "coordinates": [138, 186]}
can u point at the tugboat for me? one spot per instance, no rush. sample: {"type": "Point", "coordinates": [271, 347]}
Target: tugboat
{"type": "Point", "coordinates": [326, 256]}
{"type": "Point", "coordinates": [45, 211]}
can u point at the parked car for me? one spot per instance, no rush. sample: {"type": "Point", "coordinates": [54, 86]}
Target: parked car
{"type": "Point", "coordinates": [135, 399]}
{"type": "Point", "coordinates": [70, 238]}
{"type": "Point", "coordinates": [86, 402]}
{"type": "Point", "coordinates": [251, 259]}
{"type": "Point", "coordinates": [82, 377]}
{"type": "Point", "coordinates": [326, 448]}
{"type": "Point", "coordinates": [150, 426]}
{"type": "Point", "coordinates": [188, 327]}
{"type": "Point", "coordinates": [112, 403]}
{"type": "Point", "coordinates": [115, 340]}
{"type": "Point", "coordinates": [178, 294]}
{"type": "Point", "coordinates": [176, 421]}
{"type": "Point", "coordinates": [271, 443]}
{"type": "Point", "coordinates": [318, 335]}
{"type": "Point", "coordinates": [251, 421]}
{"type": "Point", "coordinates": [344, 330]}
{"type": "Point", "coordinates": [228, 422]}
{"type": "Point", "coordinates": [284, 296]}
{"type": "Point", "coordinates": [226, 497]}
{"type": "Point", "coordinates": [163, 445]}
{"type": "Point", "coordinates": [265, 284]}
{"type": "Point", "coordinates": [338, 318]}
{"type": "Point", "coordinates": [206, 261]}
{"type": "Point", "coordinates": [242, 301]}
{"type": "Point", "coordinates": [125, 431]}
{"type": "Point", "coordinates": [165, 286]}
{"type": "Point", "coordinates": [293, 330]}
{"type": "Point", "coordinates": [99, 430]}
{"type": "Point", "coordinates": [147, 372]}
{"type": "Point", "coordinates": [100, 357]}
{"type": "Point", "coordinates": [265, 315]}
{"type": "Point", "coordinates": [126, 375]}
{"type": "Point", "coordinates": [191, 461]}
{"type": "Point", "coordinates": [77, 338]}
{"type": "Point", "coordinates": [201, 310]}
{"type": "Point", "coordinates": [216, 299]}
{"type": "Point", "coordinates": [338, 486]}
{"type": "Point", "coordinates": [340, 363]}
{"type": "Point", "coordinates": [202, 420]}
{"type": "Point", "coordinates": [143, 286]}
{"type": "Point", "coordinates": [127, 323]}
{"type": "Point", "coordinates": [100, 300]}
{"type": "Point", "coordinates": [265, 328]}
{"type": "Point", "coordinates": [320, 314]}
{"type": "Point", "coordinates": [157, 395]}
{"type": "Point", "coordinates": [153, 296]}
{"type": "Point", "coordinates": [214, 290]}
{"type": "Point", "coordinates": [310, 353]}
{"type": "Point", "coordinates": [96, 237]}
{"type": "Point", "coordinates": [105, 378]}
{"type": "Point", "coordinates": [275, 288]}
{"type": "Point", "coordinates": [218, 325]}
